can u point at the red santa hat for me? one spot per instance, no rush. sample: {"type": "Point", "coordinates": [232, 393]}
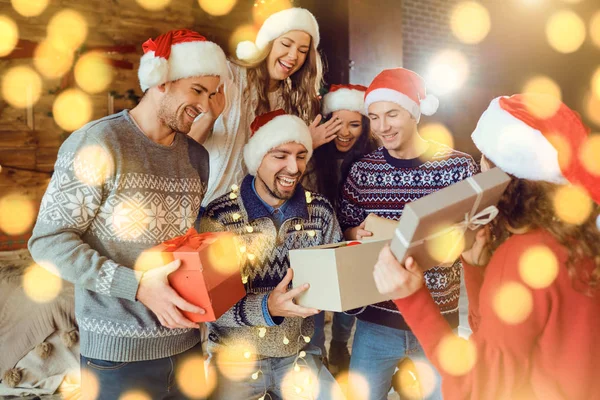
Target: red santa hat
{"type": "Point", "coordinates": [273, 129]}
{"type": "Point", "coordinates": [291, 19]}
{"type": "Point", "coordinates": [403, 87]}
{"type": "Point", "coordinates": [180, 54]}
{"type": "Point", "coordinates": [531, 145]}
{"type": "Point", "coordinates": [345, 97]}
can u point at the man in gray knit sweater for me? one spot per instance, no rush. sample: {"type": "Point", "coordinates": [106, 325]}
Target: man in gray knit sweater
{"type": "Point", "coordinates": [262, 344]}
{"type": "Point", "coordinates": [121, 185]}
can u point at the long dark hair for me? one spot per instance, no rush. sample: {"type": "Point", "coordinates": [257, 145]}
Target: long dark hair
{"type": "Point", "coordinates": [330, 178]}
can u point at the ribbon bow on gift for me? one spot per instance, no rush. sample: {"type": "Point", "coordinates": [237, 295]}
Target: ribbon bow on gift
{"type": "Point", "coordinates": [191, 238]}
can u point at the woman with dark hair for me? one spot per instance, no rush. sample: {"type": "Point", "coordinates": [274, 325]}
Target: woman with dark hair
{"type": "Point", "coordinates": [532, 275]}
{"type": "Point", "coordinates": [326, 173]}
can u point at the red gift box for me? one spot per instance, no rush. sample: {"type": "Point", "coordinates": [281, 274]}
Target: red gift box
{"type": "Point", "coordinates": [209, 275]}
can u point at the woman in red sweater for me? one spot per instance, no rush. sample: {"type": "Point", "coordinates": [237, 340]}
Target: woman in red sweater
{"type": "Point", "coordinates": [532, 276]}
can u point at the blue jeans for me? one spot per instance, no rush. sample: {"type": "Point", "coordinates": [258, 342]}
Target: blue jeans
{"type": "Point", "coordinates": [341, 329]}
{"type": "Point", "coordinates": [376, 352]}
{"type": "Point", "coordinates": [235, 380]}
{"type": "Point", "coordinates": [155, 378]}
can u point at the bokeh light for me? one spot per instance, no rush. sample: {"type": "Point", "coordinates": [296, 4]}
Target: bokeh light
{"type": "Point", "coordinates": [17, 213]}
{"type": "Point", "coordinates": [72, 109]}
{"type": "Point", "coordinates": [217, 7]}
{"type": "Point", "coordinates": [190, 378]}
{"type": "Point", "coordinates": [591, 105]}
{"type": "Point", "coordinates": [415, 379]}
{"type": "Point", "coordinates": [9, 32]}
{"type": "Point", "coordinates": [42, 283]}
{"type": "Point", "coordinates": [356, 384]}
{"type": "Point", "coordinates": [154, 5]}
{"type": "Point", "coordinates": [224, 256]}
{"type": "Point", "coordinates": [542, 84]}
{"type": "Point", "coordinates": [300, 383]}
{"type": "Point", "coordinates": [92, 165]}
{"type": "Point", "coordinates": [595, 28]}
{"type": "Point", "coordinates": [572, 1]}
{"type": "Point", "coordinates": [590, 154]}
{"type": "Point", "coordinates": [21, 86]}
{"type": "Point", "coordinates": [135, 395]}
{"type": "Point", "coordinates": [91, 384]}
{"type": "Point", "coordinates": [93, 73]}
{"type": "Point", "coordinates": [67, 29]}
{"type": "Point", "coordinates": [148, 260]}
{"type": "Point", "coordinates": [562, 147]}
{"type": "Point", "coordinates": [240, 34]}
{"type": "Point", "coordinates": [233, 362]}
{"type": "Point", "coordinates": [538, 267]}
{"type": "Point", "coordinates": [513, 303]}
{"type": "Point", "coordinates": [596, 83]}
{"type": "Point", "coordinates": [448, 71]}
{"type": "Point", "coordinates": [52, 61]}
{"type": "Point", "coordinates": [447, 247]}
{"type": "Point", "coordinates": [572, 204]}
{"type": "Point", "coordinates": [470, 22]}
{"type": "Point", "coordinates": [437, 132]}
{"type": "Point", "coordinates": [263, 9]}
{"type": "Point", "coordinates": [29, 8]}
{"type": "Point", "coordinates": [541, 106]}
{"type": "Point", "coordinates": [456, 355]}
{"type": "Point", "coordinates": [565, 31]}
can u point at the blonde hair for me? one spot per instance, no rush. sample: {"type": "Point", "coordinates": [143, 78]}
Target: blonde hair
{"type": "Point", "coordinates": [299, 92]}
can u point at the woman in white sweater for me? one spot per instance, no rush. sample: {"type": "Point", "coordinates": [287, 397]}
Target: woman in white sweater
{"type": "Point", "coordinates": [282, 69]}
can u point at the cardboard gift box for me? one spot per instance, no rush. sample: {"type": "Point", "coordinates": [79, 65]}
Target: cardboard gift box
{"type": "Point", "coordinates": [381, 228]}
{"type": "Point", "coordinates": [209, 275]}
{"type": "Point", "coordinates": [435, 229]}
{"type": "Point", "coordinates": [340, 275]}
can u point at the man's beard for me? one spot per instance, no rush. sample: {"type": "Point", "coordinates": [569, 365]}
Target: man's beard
{"type": "Point", "coordinates": [170, 118]}
{"type": "Point", "coordinates": [275, 191]}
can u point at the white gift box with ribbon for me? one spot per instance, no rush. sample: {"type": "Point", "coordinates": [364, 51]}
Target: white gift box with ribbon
{"type": "Point", "coordinates": [437, 228]}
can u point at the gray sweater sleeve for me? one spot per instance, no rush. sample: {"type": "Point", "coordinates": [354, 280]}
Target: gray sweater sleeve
{"type": "Point", "coordinates": [69, 207]}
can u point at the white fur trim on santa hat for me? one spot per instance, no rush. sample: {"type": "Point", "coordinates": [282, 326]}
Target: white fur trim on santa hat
{"type": "Point", "coordinates": [344, 99]}
{"type": "Point", "coordinates": [291, 19]}
{"type": "Point", "coordinates": [515, 147]}
{"type": "Point", "coordinates": [429, 105]}
{"type": "Point", "coordinates": [186, 60]}
{"type": "Point", "coordinates": [280, 130]}
{"type": "Point", "coordinates": [393, 96]}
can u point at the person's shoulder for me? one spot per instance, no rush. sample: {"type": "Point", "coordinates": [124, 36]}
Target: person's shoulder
{"type": "Point", "coordinates": [196, 147]}
{"type": "Point", "coordinates": [318, 201]}
{"type": "Point", "coordinates": [374, 157]}
{"type": "Point", "coordinates": [450, 156]}
{"type": "Point", "coordinates": [99, 131]}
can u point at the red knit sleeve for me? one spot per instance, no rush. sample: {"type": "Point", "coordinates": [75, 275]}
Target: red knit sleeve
{"type": "Point", "coordinates": [503, 363]}
{"type": "Point", "coordinates": [473, 283]}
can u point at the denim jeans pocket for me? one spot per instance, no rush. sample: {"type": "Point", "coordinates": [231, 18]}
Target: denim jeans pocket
{"type": "Point", "coordinates": [412, 345]}
{"type": "Point", "coordinates": [104, 365]}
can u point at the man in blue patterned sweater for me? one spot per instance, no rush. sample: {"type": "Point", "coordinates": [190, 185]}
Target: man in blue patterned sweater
{"type": "Point", "coordinates": [262, 344]}
{"type": "Point", "coordinates": [405, 169]}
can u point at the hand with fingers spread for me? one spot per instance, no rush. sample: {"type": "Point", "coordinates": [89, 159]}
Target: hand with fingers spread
{"type": "Point", "coordinates": [155, 293]}
{"type": "Point", "coordinates": [326, 132]}
{"type": "Point", "coordinates": [281, 300]}
{"type": "Point", "coordinates": [357, 233]}
{"type": "Point", "coordinates": [479, 255]}
{"type": "Point", "coordinates": [216, 104]}
{"type": "Point", "coordinates": [394, 279]}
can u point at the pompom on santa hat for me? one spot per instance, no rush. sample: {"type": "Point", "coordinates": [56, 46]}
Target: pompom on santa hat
{"type": "Point", "coordinates": [291, 19]}
{"type": "Point", "coordinates": [271, 130]}
{"type": "Point", "coordinates": [522, 138]}
{"type": "Point", "coordinates": [180, 54]}
{"type": "Point", "coordinates": [403, 87]}
{"type": "Point", "coordinates": [345, 97]}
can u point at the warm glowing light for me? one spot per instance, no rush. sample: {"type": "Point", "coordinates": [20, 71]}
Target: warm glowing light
{"type": "Point", "coordinates": [595, 29]}
{"type": "Point", "coordinates": [596, 83]}
{"type": "Point", "coordinates": [415, 379]}
{"type": "Point", "coordinates": [42, 283]}
{"type": "Point", "coordinates": [513, 303]}
{"type": "Point", "coordinates": [72, 109]}
{"type": "Point", "coordinates": [90, 381]}
{"type": "Point", "coordinates": [249, 229]}
{"type": "Point", "coordinates": [470, 22]}
{"type": "Point", "coordinates": [17, 214]}
{"type": "Point", "coordinates": [240, 34]}
{"type": "Point", "coordinates": [592, 108]}
{"type": "Point", "coordinates": [456, 355]}
{"type": "Point", "coordinates": [232, 196]}
{"type": "Point", "coordinates": [233, 363]}
{"type": "Point", "coordinates": [297, 227]}
{"type": "Point", "coordinates": [541, 106]}
{"type": "Point", "coordinates": [263, 9]}
{"type": "Point", "coordinates": [590, 154]}
{"type": "Point", "coordinates": [148, 260]}
{"type": "Point", "coordinates": [262, 332]}
{"type": "Point", "coordinates": [538, 267]}
{"type": "Point", "coordinates": [135, 395]}
{"type": "Point", "coordinates": [437, 132]}
{"type": "Point", "coordinates": [92, 165]}
{"type": "Point", "coordinates": [29, 8]}
{"type": "Point", "coordinates": [21, 87]}
{"type": "Point", "coordinates": [9, 32]}
{"type": "Point", "coordinates": [217, 7]}
{"type": "Point", "coordinates": [286, 341]}
{"type": "Point", "coordinates": [93, 73]}
{"type": "Point", "coordinates": [67, 30]}
{"type": "Point", "coordinates": [572, 204]}
{"type": "Point", "coordinates": [565, 31]}
{"type": "Point", "coordinates": [356, 384]}
{"type": "Point", "coordinates": [189, 376]}
{"type": "Point", "coordinates": [447, 247]}
{"type": "Point", "coordinates": [562, 147]}
{"type": "Point", "coordinates": [448, 71]}
{"type": "Point", "coordinates": [542, 84]}
{"type": "Point", "coordinates": [52, 61]}
{"type": "Point", "coordinates": [223, 255]}
{"type": "Point", "coordinates": [303, 381]}
{"type": "Point", "coordinates": [236, 217]}
{"type": "Point", "coordinates": [154, 5]}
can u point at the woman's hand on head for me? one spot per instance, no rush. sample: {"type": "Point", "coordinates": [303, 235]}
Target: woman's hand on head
{"type": "Point", "coordinates": [325, 132]}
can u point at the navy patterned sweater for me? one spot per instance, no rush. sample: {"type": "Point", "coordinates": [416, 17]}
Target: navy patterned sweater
{"type": "Point", "coordinates": [309, 220]}
{"type": "Point", "coordinates": [381, 184]}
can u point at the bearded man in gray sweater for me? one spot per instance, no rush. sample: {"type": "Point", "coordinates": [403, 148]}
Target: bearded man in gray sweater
{"type": "Point", "coordinates": [121, 185]}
